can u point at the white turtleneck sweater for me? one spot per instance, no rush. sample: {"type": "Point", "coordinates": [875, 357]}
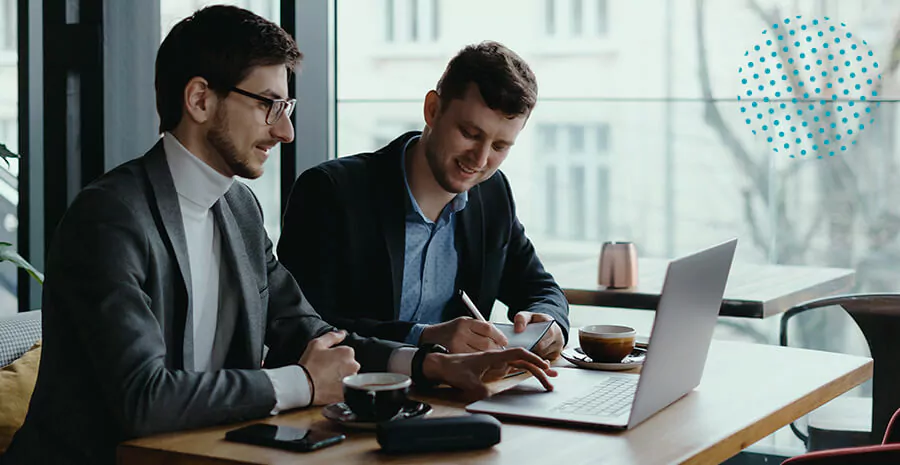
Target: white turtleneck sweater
{"type": "Point", "coordinates": [199, 187]}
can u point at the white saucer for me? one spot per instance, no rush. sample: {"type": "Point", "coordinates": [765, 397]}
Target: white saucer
{"type": "Point", "coordinates": [341, 414]}
{"type": "Point", "coordinates": [633, 360]}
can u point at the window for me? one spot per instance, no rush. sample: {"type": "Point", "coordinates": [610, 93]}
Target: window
{"type": "Point", "coordinates": [578, 213]}
{"type": "Point", "coordinates": [641, 138]}
{"type": "Point", "coordinates": [266, 187]}
{"type": "Point", "coordinates": [411, 20]}
{"type": "Point", "coordinates": [551, 221]}
{"type": "Point", "coordinates": [387, 131]}
{"type": "Point", "coordinates": [578, 19]}
{"type": "Point", "coordinates": [8, 35]}
{"type": "Point", "coordinates": [9, 136]}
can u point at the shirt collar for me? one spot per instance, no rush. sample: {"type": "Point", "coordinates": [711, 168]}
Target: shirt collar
{"type": "Point", "coordinates": [195, 181]}
{"type": "Point", "coordinates": [457, 204]}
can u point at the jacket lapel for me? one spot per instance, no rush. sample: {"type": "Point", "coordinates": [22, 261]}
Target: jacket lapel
{"type": "Point", "coordinates": [234, 254]}
{"type": "Point", "coordinates": [170, 215]}
{"type": "Point", "coordinates": [391, 202]}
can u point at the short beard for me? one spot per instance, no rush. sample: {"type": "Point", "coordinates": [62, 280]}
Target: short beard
{"type": "Point", "coordinates": [218, 138]}
{"type": "Point", "coordinates": [438, 171]}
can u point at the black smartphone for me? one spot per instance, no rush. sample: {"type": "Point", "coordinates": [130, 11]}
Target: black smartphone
{"type": "Point", "coordinates": [284, 437]}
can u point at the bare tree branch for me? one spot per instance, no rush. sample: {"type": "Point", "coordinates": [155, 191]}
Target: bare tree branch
{"type": "Point", "coordinates": [757, 172]}
{"type": "Point", "coordinates": [714, 118]}
{"type": "Point", "coordinates": [755, 231]}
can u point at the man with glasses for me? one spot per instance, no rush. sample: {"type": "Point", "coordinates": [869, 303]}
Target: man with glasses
{"type": "Point", "coordinates": [164, 308]}
{"type": "Point", "coordinates": [399, 232]}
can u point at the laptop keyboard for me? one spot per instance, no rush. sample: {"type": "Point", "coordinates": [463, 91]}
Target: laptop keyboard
{"type": "Point", "coordinates": [612, 397]}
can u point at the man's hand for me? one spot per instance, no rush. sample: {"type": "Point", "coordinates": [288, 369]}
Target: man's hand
{"type": "Point", "coordinates": [464, 334]}
{"type": "Point", "coordinates": [551, 345]}
{"type": "Point", "coordinates": [470, 372]}
{"type": "Point", "coordinates": [328, 365]}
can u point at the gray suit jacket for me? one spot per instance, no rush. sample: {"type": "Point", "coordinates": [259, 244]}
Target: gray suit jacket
{"type": "Point", "coordinates": [115, 304]}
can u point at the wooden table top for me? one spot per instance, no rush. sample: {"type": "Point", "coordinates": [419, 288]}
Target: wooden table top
{"type": "Point", "coordinates": [753, 291]}
{"type": "Point", "coordinates": [748, 391]}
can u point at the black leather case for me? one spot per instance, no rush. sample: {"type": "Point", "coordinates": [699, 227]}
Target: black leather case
{"type": "Point", "coordinates": [476, 431]}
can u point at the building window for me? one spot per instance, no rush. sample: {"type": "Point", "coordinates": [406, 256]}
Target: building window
{"type": "Point", "coordinates": [8, 38]}
{"type": "Point", "coordinates": [602, 18]}
{"type": "Point", "coordinates": [575, 177]}
{"type": "Point", "coordinates": [550, 17]}
{"type": "Point", "coordinates": [603, 202]}
{"type": "Point", "coordinates": [550, 220]}
{"type": "Point", "coordinates": [412, 20]}
{"type": "Point", "coordinates": [577, 203]}
{"type": "Point", "coordinates": [576, 19]}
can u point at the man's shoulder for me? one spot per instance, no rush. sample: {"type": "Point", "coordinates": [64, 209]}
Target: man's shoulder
{"type": "Point", "coordinates": [496, 188]}
{"type": "Point", "coordinates": [353, 168]}
{"type": "Point", "coordinates": [125, 183]}
{"type": "Point", "coordinates": [349, 166]}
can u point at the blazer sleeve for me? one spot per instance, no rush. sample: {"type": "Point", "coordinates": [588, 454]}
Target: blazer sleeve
{"type": "Point", "coordinates": [94, 281]}
{"type": "Point", "coordinates": [293, 323]}
{"type": "Point", "coordinates": [312, 248]}
{"type": "Point", "coordinates": [525, 284]}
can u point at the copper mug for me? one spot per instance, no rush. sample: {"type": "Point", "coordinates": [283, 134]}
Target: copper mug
{"type": "Point", "coordinates": [618, 265]}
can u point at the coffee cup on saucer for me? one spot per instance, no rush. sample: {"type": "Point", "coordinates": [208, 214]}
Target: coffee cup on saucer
{"type": "Point", "coordinates": [607, 343]}
{"type": "Point", "coordinates": [376, 397]}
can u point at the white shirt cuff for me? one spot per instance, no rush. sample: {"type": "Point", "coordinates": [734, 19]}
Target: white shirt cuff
{"type": "Point", "coordinates": [291, 387]}
{"type": "Point", "coordinates": [401, 360]}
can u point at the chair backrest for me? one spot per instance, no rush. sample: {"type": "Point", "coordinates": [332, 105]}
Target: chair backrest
{"type": "Point", "coordinates": [878, 317]}
{"type": "Point", "coordinates": [18, 333]}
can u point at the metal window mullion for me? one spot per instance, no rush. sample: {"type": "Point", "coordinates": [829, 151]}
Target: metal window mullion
{"type": "Point", "coordinates": [312, 24]}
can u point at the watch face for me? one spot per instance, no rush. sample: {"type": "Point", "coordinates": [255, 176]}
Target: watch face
{"type": "Point", "coordinates": [439, 348]}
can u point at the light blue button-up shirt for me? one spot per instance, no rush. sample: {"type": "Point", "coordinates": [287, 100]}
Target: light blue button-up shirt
{"type": "Point", "coordinates": [430, 261]}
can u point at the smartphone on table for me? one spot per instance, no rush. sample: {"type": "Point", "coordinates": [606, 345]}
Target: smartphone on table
{"type": "Point", "coordinates": [284, 437]}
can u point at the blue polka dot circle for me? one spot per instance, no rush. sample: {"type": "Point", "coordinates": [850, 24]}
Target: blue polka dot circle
{"type": "Point", "coordinates": [809, 87]}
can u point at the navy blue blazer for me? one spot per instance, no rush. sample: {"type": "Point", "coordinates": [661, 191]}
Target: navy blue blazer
{"type": "Point", "coordinates": [343, 239]}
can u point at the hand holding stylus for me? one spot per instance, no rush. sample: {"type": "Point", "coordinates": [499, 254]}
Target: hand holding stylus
{"type": "Point", "coordinates": [465, 334]}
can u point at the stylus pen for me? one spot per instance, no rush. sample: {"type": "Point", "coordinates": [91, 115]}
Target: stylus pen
{"type": "Point", "coordinates": [473, 309]}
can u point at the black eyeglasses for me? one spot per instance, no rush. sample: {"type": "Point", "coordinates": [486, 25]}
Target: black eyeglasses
{"type": "Point", "coordinates": [277, 107]}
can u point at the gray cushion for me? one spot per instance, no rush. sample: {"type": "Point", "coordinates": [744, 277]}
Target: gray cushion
{"type": "Point", "coordinates": [18, 333]}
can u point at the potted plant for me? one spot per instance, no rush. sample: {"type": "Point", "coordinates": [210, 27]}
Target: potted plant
{"type": "Point", "coordinates": [7, 252]}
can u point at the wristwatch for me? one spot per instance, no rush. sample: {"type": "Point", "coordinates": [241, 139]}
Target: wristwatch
{"type": "Point", "coordinates": [418, 377]}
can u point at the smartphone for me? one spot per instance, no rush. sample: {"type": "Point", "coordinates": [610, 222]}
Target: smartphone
{"type": "Point", "coordinates": [284, 437]}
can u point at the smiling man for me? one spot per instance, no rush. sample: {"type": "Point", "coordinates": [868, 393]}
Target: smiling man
{"type": "Point", "coordinates": [381, 242]}
{"type": "Point", "coordinates": [164, 307]}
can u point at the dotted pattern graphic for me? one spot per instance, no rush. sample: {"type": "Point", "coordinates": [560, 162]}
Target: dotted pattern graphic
{"type": "Point", "coordinates": [809, 88]}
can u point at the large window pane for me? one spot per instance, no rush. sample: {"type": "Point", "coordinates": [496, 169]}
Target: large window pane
{"type": "Point", "coordinates": [638, 134]}
{"type": "Point", "coordinates": [266, 187]}
{"type": "Point", "coordinates": [9, 136]}
{"type": "Point", "coordinates": [605, 103]}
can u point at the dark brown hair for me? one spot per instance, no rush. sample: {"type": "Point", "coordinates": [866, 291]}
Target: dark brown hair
{"type": "Point", "coordinates": [221, 44]}
{"type": "Point", "coordinates": [505, 81]}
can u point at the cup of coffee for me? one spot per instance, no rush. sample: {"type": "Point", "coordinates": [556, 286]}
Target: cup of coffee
{"type": "Point", "coordinates": [376, 396]}
{"type": "Point", "coordinates": [606, 343]}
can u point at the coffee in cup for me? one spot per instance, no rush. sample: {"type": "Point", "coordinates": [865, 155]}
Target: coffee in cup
{"type": "Point", "coordinates": [376, 396]}
{"type": "Point", "coordinates": [606, 343]}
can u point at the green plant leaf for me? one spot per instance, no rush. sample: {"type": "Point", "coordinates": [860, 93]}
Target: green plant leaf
{"type": "Point", "coordinates": [7, 253]}
{"type": "Point", "coordinates": [6, 154]}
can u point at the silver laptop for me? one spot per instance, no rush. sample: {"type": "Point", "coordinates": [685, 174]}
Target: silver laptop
{"type": "Point", "coordinates": [679, 344]}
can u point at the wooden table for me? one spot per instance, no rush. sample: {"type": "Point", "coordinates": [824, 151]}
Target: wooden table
{"type": "Point", "coordinates": [748, 391]}
{"type": "Point", "coordinates": [753, 291]}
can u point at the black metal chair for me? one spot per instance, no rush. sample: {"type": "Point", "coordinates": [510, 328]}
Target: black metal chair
{"type": "Point", "coordinates": [878, 317]}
